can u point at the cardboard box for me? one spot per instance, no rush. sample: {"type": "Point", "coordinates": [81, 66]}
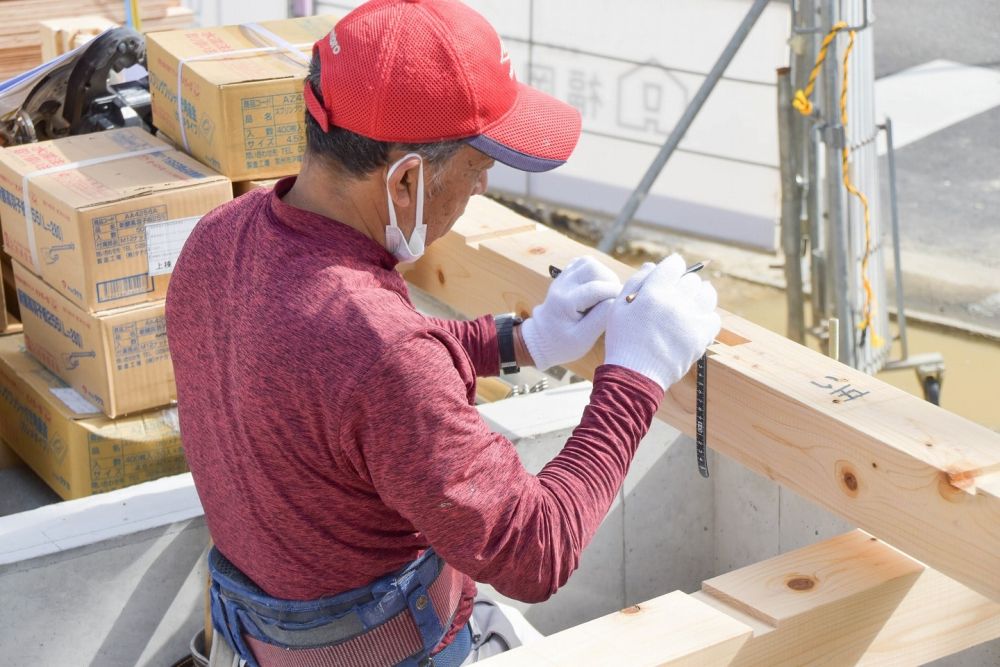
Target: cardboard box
{"type": "Point", "coordinates": [243, 113]}
{"type": "Point", "coordinates": [105, 235]}
{"type": "Point", "coordinates": [118, 359]}
{"type": "Point", "coordinates": [242, 187]}
{"type": "Point", "coordinates": [68, 443]}
{"type": "Point", "coordinates": [10, 314]}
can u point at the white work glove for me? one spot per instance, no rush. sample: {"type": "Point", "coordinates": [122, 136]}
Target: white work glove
{"type": "Point", "coordinates": [574, 314]}
{"type": "Point", "coordinates": [667, 327]}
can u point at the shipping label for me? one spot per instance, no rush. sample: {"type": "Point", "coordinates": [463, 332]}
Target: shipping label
{"type": "Point", "coordinates": [119, 237]}
{"type": "Point", "coordinates": [140, 343]}
{"type": "Point", "coordinates": [273, 130]}
{"type": "Point", "coordinates": [164, 241]}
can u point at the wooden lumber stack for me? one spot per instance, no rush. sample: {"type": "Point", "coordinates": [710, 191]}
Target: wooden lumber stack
{"type": "Point", "coordinates": [20, 44]}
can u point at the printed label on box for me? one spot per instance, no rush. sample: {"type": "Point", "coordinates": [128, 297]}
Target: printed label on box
{"type": "Point", "coordinates": [164, 241]}
{"type": "Point", "coordinates": [273, 130]}
{"type": "Point", "coordinates": [119, 237]}
{"type": "Point", "coordinates": [117, 463]}
{"type": "Point", "coordinates": [140, 343]}
{"type": "Point", "coordinates": [123, 235]}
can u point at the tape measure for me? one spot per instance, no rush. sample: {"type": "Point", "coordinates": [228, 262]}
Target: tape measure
{"type": "Point", "coordinates": [701, 415]}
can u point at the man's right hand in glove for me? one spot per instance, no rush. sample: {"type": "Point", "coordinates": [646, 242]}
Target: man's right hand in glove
{"type": "Point", "coordinates": [667, 327]}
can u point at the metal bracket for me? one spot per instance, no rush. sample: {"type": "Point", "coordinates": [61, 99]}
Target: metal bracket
{"type": "Point", "coordinates": [818, 29]}
{"type": "Point", "coordinates": [834, 136]}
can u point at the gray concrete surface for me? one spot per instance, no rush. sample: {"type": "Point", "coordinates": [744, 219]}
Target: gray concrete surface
{"type": "Point", "coordinates": [130, 601]}
{"type": "Point", "coordinates": [22, 490]}
{"type": "Point", "coordinates": [949, 182]}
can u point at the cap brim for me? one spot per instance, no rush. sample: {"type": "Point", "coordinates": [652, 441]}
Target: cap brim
{"type": "Point", "coordinates": [538, 134]}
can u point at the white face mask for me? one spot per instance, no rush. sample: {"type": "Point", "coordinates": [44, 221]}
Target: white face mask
{"type": "Point", "coordinates": [403, 250]}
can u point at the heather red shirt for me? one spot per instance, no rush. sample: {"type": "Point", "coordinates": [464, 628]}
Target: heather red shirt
{"type": "Point", "coordinates": [330, 427]}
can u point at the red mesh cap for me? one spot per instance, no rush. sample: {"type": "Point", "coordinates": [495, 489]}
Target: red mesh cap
{"type": "Point", "coordinates": [421, 71]}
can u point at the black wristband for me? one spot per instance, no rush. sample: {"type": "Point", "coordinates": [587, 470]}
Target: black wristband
{"type": "Point", "coordinates": [505, 341]}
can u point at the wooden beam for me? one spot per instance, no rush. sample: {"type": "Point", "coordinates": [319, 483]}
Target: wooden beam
{"type": "Point", "coordinates": [848, 600]}
{"type": "Point", "coordinates": [851, 600]}
{"type": "Point", "coordinates": [674, 629]}
{"type": "Point", "coordinates": [912, 474]}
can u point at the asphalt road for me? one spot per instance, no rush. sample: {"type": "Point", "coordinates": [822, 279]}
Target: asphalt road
{"type": "Point", "coordinates": [949, 181]}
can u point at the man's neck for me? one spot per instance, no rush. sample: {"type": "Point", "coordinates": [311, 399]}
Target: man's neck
{"type": "Point", "coordinates": [354, 203]}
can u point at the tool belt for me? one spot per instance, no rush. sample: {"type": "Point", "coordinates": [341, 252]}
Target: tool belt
{"type": "Point", "coordinates": [396, 620]}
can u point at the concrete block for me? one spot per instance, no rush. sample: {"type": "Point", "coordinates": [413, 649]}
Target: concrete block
{"type": "Point", "coordinates": [747, 516]}
{"type": "Point", "coordinates": [669, 515]}
{"type": "Point", "coordinates": [804, 523]}
{"type": "Point", "coordinates": [977, 656]}
{"type": "Point", "coordinates": [130, 600]}
{"type": "Point", "coordinates": [66, 525]}
{"type": "Point", "coordinates": [596, 588]}
{"type": "Point", "coordinates": [23, 490]}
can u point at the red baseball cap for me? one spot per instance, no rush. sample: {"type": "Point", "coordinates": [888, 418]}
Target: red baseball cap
{"type": "Point", "coordinates": [422, 71]}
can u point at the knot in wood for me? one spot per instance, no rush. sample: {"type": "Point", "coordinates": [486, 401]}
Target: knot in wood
{"type": "Point", "coordinates": [801, 583]}
{"type": "Point", "coordinates": [850, 481]}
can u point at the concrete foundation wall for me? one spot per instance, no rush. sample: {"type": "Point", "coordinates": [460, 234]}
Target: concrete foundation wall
{"type": "Point", "coordinates": [130, 600]}
{"type": "Point", "coordinates": [118, 580]}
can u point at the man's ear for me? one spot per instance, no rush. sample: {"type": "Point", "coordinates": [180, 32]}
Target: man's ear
{"type": "Point", "coordinates": [403, 182]}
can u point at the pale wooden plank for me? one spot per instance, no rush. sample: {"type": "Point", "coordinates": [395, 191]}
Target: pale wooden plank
{"type": "Point", "coordinates": [907, 471]}
{"type": "Point", "coordinates": [848, 600]}
{"type": "Point", "coordinates": [674, 629]}
{"type": "Point", "coordinates": [851, 600]}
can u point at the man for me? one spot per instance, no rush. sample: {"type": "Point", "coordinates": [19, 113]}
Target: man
{"type": "Point", "coordinates": [351, 488]}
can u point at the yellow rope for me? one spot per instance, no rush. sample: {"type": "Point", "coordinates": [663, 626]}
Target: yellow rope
{"type": "Point", "coordinates": [804, 106]}
{"type": "Point", "coordinates": [136, 19]}
{"type": "Point", "coordinates": [869, 306]}
{"type": "Point", "coordinates": [801, 99]}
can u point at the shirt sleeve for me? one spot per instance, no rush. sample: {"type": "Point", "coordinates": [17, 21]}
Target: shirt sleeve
{"type": "Point", "coordinates": [432, 458]}
{"type": "Point", "coordinates": [479, 339]}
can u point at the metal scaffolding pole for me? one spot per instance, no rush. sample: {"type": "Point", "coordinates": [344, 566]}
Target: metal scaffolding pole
{"type": "Point", "coordinates": [791, 208]}
{"type": "Point", "coordinates": [836, 217]}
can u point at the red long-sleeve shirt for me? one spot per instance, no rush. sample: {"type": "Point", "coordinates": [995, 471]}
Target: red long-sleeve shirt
{"type": "Point", "coordinates": [330, 427]}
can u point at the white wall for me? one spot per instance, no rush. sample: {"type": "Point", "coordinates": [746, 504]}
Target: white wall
{"type": "Point", "coordinates": [631, 67]}
{"type": "Point", "coordinates": [229, 12]}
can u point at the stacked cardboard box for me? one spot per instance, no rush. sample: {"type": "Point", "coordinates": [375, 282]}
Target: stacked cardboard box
{"type": "Point", "coordinates": [10, 314]}
{"type": "Point", "coordinates": [108, 215]}
{"type": "Point", "coordinates": [241, 93]}
{"type": "Point", "coordinates": [69, 443]}
{"type": "Point", "coordinates": [244, 187]}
